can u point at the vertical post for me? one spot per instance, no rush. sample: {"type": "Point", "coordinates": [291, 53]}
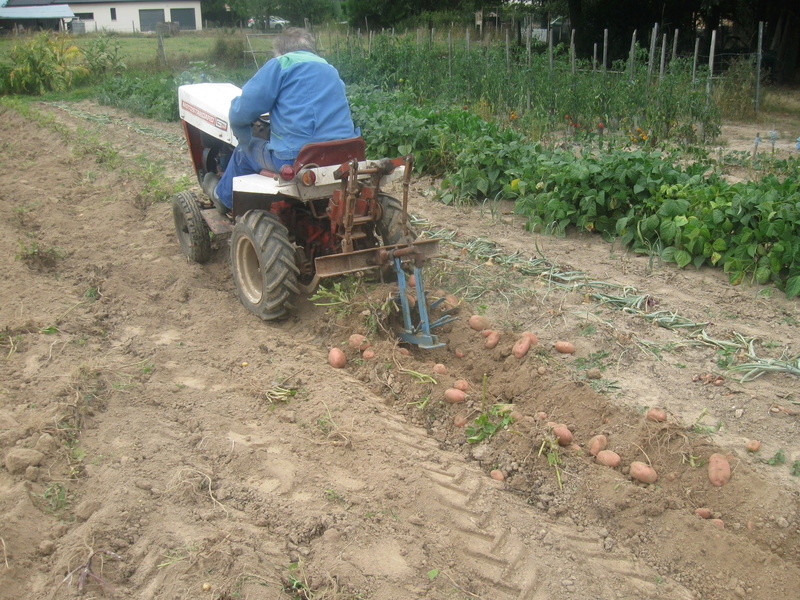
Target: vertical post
{"type": "Point", "coordinates": [711, 64]}
{"type": "Point", "coordinates": [594, 57]}
{"type": "Point", "coordinates": [528, 45]}
{"type": "Point", "coordinates": [369, 44]}
{"type": "Point", "coordinates": [605, 48]}
{"type": "Point", "coordinates": [652, 56]}
{"type": "Point", "coordinates": [572, 51]}
{"type": "Point", "coordinates": [432, 35]}
{"type": "Point", "coordinates": [662, 64]}
{"type": "Point", "coordinates": [550, 48]}
{"type": "Point", "coordinates": [508, 52]}
{"type": "Point", "coordinates": [694, 62]}
{"type": "Point", "coordinates": [450, 54]}
{"type": "Point", "coordinates": [674, 45]}
{"type": "Point", "coordinates": [758, 65]}
{"type": "Point", "coordinates": [162, 56]}
{"type": "Point", "coordinates": [467, 39]}
{"type": "Point", "coordinates": [632, 56]}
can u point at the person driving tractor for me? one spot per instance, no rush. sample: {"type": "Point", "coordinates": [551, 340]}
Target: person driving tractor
{"type": "Point", "coordinates": [306, 102]}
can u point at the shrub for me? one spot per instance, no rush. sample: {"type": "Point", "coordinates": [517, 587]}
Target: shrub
{"type": "Point", "coordinates": [46, 62]}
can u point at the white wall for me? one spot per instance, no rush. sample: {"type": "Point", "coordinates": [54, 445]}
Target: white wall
{"type": "Point", "coordinates": [128, 14]}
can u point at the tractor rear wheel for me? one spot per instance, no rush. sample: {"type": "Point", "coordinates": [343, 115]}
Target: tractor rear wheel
{"type": "Point", "coordinates": [263, 264]}
{"type": "Point", "coordinates": [193, 233]}
{"type": "Point", "coordinates": [390, 225]}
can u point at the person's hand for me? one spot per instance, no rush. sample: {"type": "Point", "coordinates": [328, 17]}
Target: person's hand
{"type": "Point", "coordinates": [260, 129]}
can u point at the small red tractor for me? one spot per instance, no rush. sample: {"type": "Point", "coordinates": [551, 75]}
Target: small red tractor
{"type": "Point", "coordinates": [325, 215]}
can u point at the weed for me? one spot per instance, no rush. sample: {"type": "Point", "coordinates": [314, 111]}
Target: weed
{"type": "Point", "coordinates": [593, 360]}
{"type": "Point", "coordinates": [552, 452]}
{"type": "Point", "coordinates": [691, 460]}
{"type": "Point", "coordinates": [420, 377]}
{"type": "Point", "coordinates": [23, 216]}
{"type": "Point", "coordinates": [176, 555]}
{"type": "Point", "coordinates": [421, 403]}
{"type": "Point", "coordinates": [49, 329]}
{"type": "Point", "coordinates": [588, 330]}
{"type": "Point", "coordinates": [334, 496]}
{"type": "Point", "coordinates": [277, 394]}
{"type": "Point", "coordinates": [778, 458]}
{"type": "Point", "coordinates": [796, 468]}
{"type": "Point", "coordinates": [338, 298]}
{"type": "Point", "coordinates": [325, 425]}
{"type": "Point", "coordinates": [56, 496]}
{"type": "Point", "coordinates": [92, 293]}
{"type": "Point", "coordinates": [38, 257]}
{"type": "Point", "coordinates": [488, 423]}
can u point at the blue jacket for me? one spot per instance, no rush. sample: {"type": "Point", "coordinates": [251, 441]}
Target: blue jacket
{"type": "Point", "coordinates": [305, 99]}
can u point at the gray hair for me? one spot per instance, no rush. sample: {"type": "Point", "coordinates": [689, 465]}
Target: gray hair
{"type": "Point", "coordinates": [293, 39]}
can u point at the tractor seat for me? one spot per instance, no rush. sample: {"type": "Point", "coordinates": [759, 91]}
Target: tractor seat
{"type": "Point", "coordinates": [334, 152]}
{"type": "Point", "coordinates": [326, 154]}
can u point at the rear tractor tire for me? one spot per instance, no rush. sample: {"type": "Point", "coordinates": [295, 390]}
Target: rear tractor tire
{"type": "Point", "coordinates": [263, 265]}
{"type": "Point", "coordinates": [390, 225]}
{"type": "Point", "coordinates": [193, 233]}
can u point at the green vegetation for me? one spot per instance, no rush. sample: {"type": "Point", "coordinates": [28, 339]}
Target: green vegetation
{"type": "Point", "coordinates": [589, 150]}
{"type": "Point", "coordinates": [489, 422]}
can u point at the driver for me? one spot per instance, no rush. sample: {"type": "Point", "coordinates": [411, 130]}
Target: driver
{"type": "Point", "coordinates": [306, 102]}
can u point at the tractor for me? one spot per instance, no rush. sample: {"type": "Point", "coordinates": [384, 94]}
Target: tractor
{"type": "Point", "coordinates": [323, 216]}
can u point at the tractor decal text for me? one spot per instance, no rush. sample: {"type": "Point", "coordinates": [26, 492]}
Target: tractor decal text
{"type": "Point", "coordinates": [199, 112]}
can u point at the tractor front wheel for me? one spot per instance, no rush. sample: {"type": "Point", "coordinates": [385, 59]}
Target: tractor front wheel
{"type": "Point", "coordinates": [193, 233]}
{"type": "Point", "coordinates": [390, 225]}
{"type": "Point", "coordinates": [263, 264]}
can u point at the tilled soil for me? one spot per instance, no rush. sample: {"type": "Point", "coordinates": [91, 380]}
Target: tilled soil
{"type": "Point", "coordinates": [159, 441]}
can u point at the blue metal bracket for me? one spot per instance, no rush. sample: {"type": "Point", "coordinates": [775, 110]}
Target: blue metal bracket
{"type": "Point", "coordinates": [419, 335]}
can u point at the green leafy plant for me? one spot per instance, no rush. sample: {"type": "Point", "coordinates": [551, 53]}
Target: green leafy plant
{"type": "Point", "coordinates": [45, 62]}
{"type": "Point", "coordinates": [103, 55]}
{"type": "Point", "coordinates": [488, 423]}
{"type": "Point", "coordinates": [778, 458]}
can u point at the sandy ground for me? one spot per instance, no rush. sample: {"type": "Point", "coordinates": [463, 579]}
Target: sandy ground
{"type": "Point", "coordinates": [158, 441]}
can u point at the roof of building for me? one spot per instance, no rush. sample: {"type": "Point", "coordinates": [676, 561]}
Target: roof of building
{"type": "Point", "coordinates": [20, 3]}
{"type": "Point", "coordinates": [51, 11]}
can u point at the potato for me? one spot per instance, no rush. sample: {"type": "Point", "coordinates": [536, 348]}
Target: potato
{"type": "Point", "coordinates": [459, 353]}
{"type": "Point", "coordinates": [439, 369]}
{"type": "Point", "coordinates": [358, 341]}
{"type": "Point", "coordinates": [753, 446]}
{"type": "Point", "coordinates": [719, 523]}
{"type": "Point", "coordinates": [643, 472]}
{"type": "Point", "coordinates": [411, 281]}
{"type": "Point", "coordinates": [478, 322]}
{"type": "Point", "coordinates": [461, 384]}
{"type": "Point", "coordinates": [719, 469]}
{"type": "Point", "coordinates": [703, 513]}
{"type": "Point", "coordinates": [368, 354]}
{"type": "Point", "coordinates": [336, 358]}
{"type": "Point", "coordinates": [454, 396]}
{"type": "Point", "coordinates": [451, 301]}
{"type": "Point", "coordinates": [563, 435]}
{"type": "Point", "coordinates": [403, 351]}
{"type": "Point", "coordinates": [541, 416]}
{"type": "Point", "coordinates": [497, 475]}
{"type": "Point", "coordinates": [564, 347]}
{"type": "Point", "coordinates": [492, 340]}
{"type": "Point", "coordinates": [597, 443]}
{"type": "Point", "coordinates": [659, 415]}
{"type": "Point", "coordinates": [608, 458]}
{"type": "Point", "coordinates": [460, 421]}
{"type": "Point", "coordinates": [521, 346]}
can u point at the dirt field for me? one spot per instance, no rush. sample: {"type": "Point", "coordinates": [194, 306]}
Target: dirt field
{"type": "Point", "coordinates": [158, 441]}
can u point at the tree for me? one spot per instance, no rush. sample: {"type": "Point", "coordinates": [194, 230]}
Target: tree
{"type": "Point", "coordinates": [296, 11]}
